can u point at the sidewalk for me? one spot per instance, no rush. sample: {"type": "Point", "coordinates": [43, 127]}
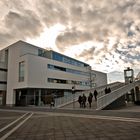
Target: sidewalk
{"type": "Point", "coordinates": [74, 125]}
{"type": "Point", "coordinates": [76, 105]}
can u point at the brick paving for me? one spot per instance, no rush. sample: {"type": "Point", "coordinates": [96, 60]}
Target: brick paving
{"type": "Point", "coordinates": [8, 117]}
{"type": "Point", "coordinates": [76, 105]}
{"type": "Point", "coordinates": [45, 127]}
{"type": "Point", "coordinates": [56, 127]}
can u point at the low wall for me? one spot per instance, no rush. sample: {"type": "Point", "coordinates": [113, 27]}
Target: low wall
{"type": "Point", "coordinates": [120, 102]}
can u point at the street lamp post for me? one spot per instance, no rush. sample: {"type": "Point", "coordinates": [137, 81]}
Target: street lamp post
{"type": "Point", "coordinates": [73, 92]}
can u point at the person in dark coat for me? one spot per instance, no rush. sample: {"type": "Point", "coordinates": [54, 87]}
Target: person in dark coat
{"type": "Point", "coordinates": [84, 98]}
{"type": "Point", "coordinates": [52, 102]}
{"type": "Point", "coordinates": [91, 94]}
{"type": "Point", "coordinates": [95, 94]}
{"type": "Point", "coordinates": [89, 100]}
{"type": "Point", "coordinates": [106, 90]}
{"type": "Point", "coordinates": [109, 90]}
{"type": "Point", "coordinates": [80, 100]}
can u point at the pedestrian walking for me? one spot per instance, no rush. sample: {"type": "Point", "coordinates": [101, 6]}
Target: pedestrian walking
{"type": "Point", "coordinates": [91, 94]}
{"type": "Point", "coordinates": [80, 101]}
{"type": "Point", "coordinates": [89, 100]}
{"type": "Point", "coordinates": [95, 94]}
{"type": "Point", "coordinates": [52, 102]}
{"type": "Point", "coordinates": [106, 90]}
{"type": "Point", "coordinates": [109, 90]}
{"type": "Point", "coordinates": [84, 98]}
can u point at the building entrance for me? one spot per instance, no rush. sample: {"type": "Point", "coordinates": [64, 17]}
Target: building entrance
{"type": "Point", "coordinates": [36, 97]}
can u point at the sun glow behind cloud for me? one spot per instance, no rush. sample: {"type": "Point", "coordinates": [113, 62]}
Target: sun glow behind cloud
{"type": "Point", "coordinates": [75, 50]}
{"type": "Point", "coordinates": [47, 38]}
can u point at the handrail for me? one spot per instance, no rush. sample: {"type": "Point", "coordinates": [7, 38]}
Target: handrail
{"type": "Point", "coordinates": [59, 102]}
{"type": "Point", "coordinates": [106, 99]}
{"type": "Point", "coordinates": [103, 86]}
{"type": "Point", "coordinates": [62, 101]}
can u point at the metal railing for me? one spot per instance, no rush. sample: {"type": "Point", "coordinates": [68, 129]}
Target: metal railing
{"type": "Point", "coordinates": [106, 99]}
{"type": "Point", "coordinates": [70, 98]}
{"type": "Point", "coordinates": [101, 91]}
{"type": "Point", "coordinates": [62, 101]}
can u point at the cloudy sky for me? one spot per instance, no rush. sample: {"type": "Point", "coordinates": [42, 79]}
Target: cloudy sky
{"type": "Point", "coordinates": [102, 33]}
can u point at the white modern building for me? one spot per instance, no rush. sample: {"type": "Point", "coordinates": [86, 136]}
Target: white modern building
{"type": "Point", "coordinates": [29, 75]}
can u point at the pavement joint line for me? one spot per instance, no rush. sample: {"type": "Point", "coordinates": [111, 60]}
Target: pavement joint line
{"type": "Point", "coordinates": [79, 115]}
{"type": "Point", "coordinates": [94, 116]}
{"type": "Point", "coordinates": [7, 118]}
{"type": "Point", "coordinates": [2, 129]}
{"type": "Point", "coordinates": [15, 128]}
{"type": "Point", "coordinates": [30, 135]}
{"type": "Point", "coordinates": [13, 110]}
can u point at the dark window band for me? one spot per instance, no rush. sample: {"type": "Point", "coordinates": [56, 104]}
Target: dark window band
{"type": "Point", "coordinates": [3, 82]}
{"type": "Point", "coordinates": [61, 81]}
{"type": "Point", "coordinates": [1, 69]}
{"type": "Point", "coordinates": [54, 67]}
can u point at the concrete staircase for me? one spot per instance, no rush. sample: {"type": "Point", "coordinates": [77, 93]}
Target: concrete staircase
{"type": "Point", "coordinates": [67, 102]}
{"type": "Point", "coordinates": [105, 100]}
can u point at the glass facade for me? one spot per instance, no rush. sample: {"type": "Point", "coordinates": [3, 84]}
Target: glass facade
{"type": "Point", "coordinates": [21, 71]}
{"type": "Point", "coordinates": [54, 67]}
{"type": "Point", "coordinates": [59, 57]}
{"type": "Point", "coordinates": [62, 81]}
{"type": "Point", "coordinates": [40, 52]}
{"type": "Point", "coordinates": [37, 97]}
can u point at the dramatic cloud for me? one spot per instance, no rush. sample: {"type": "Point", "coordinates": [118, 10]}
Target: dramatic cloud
{"type": "Point", "coordinates": [52, 12]}
{"type": "Point", "coordinates": [19, 24]}
{"type": "Point", "coordinates": [28, 23]}
{"type": "Point", "coordinates": [87, 54]}
{"type": "Point", "coordinates": [109, 28]}
{"type": "Point", "coordinates": [101, 19]}
{"type": "Point", "coordinates": [72, 38]}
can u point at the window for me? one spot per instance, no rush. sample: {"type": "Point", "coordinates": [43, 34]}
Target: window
{"type": "Point", "coordinates": [68, 60]}
{"type": "Point", "coordinates": [3, 82]}
{"type": "Point", "coordinates": [21, 71]}
{"type": "Point", "coordinates": [93, 84]}
{"type": "Point", "coordinates": [54, 67]}
{"type": "Point", "coordinates": [41, 53]}
{"type": "Point", "coordinates": [51, 80]}
{"type": "Point", "coordinates": [57, 56]}
{"type": "Point", "coordinates": [61, 81]}
{"type": "Point", "coordinates": [1, 69]}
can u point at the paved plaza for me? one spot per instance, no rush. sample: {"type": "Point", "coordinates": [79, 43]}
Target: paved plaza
{"type": "Point", "coordinates": [69, 124]}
